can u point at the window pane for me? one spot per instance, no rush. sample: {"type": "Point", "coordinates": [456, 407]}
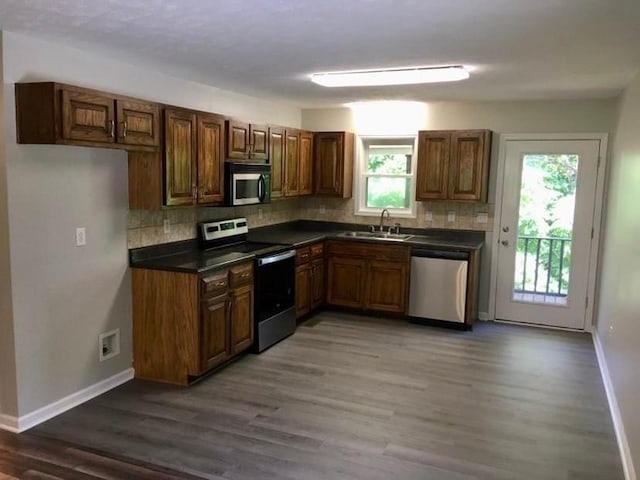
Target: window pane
{"type": "Point", "coordinates": [385, 163]}
{"type": "Point", "coordinates": [388, 192]}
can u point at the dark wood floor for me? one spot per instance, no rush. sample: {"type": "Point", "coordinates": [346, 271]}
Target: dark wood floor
{"type": "Point", "coordinates": [351, 397]}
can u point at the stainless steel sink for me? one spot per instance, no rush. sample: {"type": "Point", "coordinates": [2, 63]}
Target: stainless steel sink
{"type": "Point", "coordinates": [397, 237]}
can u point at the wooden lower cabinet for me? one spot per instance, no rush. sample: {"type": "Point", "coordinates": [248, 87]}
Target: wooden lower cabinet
{"type": "Point", "coordinates": [310, 284]}
{"type": "Point", "coordinates": [241, 321]}
{"type": "Point", "coordinates": [186, 324]}
{"type": "Point", "coordinates": [215, 341]}
{"type": "Point", "coordinates": [345, 282]}
{"type": "Point", "coordinates": [386, 286]}
{"type": "Point", "coordinates": [367, 276]}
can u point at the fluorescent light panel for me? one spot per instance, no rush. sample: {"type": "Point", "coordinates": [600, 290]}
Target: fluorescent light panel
{"type": "Point", "coordinates": [392, 76]}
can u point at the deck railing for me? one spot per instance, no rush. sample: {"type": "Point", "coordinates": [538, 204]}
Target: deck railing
{"type": "Point", "coordinates": [542, 265]}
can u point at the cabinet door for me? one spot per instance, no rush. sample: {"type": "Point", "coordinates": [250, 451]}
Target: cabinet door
{"type": "Point", "coordinates": [215, 332]}
{"type": "Point", "coordinates": [88, 117]}
{"type": "Point", "coordinates": [292, 155]}
{"type": "Point", "coordinates": [210, 159]}
{"type": "Point", "coordinates": [276, 159]}
{"type": "Point", "coordinates": [386, 287]}
{"type": "Point", "coordinates": [345, 282]}
{"type": "Point", "coordinates": [238, 140]}
{"type": "Point", "coordinates": [433, 165]}
{"type": "Point", "coordinates": [180, 157]}
{"type": "Point", "coordinates": [305, 166]}
{"type": "Point", "coordinates": [469, 165]}
{"type": "Point", "coordinates": [259, 136]}
{"type": "Point", "coordinates": [317, 283]}
{"type": "Point", "coordinates": [138, 123]}
{"type": "Point", "coordinates": [327, 163]}
{"type": "Point", "coordinates": [303, 289]}
{"type": "Point", "coordinates": [241, 309]}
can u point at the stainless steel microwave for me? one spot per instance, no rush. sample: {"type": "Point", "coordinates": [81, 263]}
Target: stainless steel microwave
{"type": "Point", "coordinates": [247, 183]}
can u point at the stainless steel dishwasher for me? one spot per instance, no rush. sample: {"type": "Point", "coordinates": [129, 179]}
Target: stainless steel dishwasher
{"type": "Point", "coordinates": [438, 287]}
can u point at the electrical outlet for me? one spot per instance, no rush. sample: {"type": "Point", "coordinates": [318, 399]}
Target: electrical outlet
{"type": "Point", "coordinates": [482, 217]}
{"type": "Point", "coordinates": [428, 216]}
{"type": "Point", "coordinates": [81, 236]}
{"type": "Point", "coordinates": [166, 226]}
{"type": "Point", "coordinates": [451, 216]}
{"type": "Point", "coordinates": [109, 344]}
{"type": "Point", "coordinates": [260, 213]}
{"type": "Point", "coordinates": [323, 210]}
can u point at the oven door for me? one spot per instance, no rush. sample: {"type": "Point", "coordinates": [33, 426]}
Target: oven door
{"type": "Point", "coordinates": [274, 284]}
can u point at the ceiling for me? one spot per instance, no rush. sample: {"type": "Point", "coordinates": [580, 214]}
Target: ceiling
{"type": "Point", "coordinates": [516, 49]}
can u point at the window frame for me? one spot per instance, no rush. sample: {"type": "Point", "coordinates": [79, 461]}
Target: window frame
{"type": "Point", "coordinates": [360, 177]}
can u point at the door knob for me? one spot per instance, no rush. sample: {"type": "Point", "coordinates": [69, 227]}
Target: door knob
{"type": "Point", "coordinates": [505, 243]}
{"type": "Point", "coordinates": [505, 229]}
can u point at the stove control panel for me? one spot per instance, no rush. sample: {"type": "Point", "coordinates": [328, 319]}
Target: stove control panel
{"type": "Point", "coordinates": [223, 228]}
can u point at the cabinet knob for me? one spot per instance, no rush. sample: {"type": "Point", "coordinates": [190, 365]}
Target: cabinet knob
{"type": "Point", "coordinates": [124, 129]}
{"type": "Point", "coordinates": [112, 128]}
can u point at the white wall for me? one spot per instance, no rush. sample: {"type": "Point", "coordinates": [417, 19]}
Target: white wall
{"type": "Point", "coordinates": [8, 389]}
{"type": "Point", "coordinates": [64, 296]}
{"type": "Point", "coordinates": [618, 317]}
{"type": "Point", "coordinates": [500, 117]}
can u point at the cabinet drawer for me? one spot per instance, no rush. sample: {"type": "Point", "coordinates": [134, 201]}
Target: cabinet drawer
{"type": "Point", "coordinates": [241, 274]}
{"type": "Point", "coordinates": [317, 250]}
{"type": "Point", "coordinates": [215, 284]}
{"type": "Point", "coordinates": [303, 255]}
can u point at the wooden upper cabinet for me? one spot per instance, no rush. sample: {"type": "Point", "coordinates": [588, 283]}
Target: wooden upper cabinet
{"type": "Point", "coordinates": [237, 140]}
{"type": "Point", "coordinates": [469, 165]}
{"type": "Point", "coordinates": [333, 155]}
{"type": "Point", "coordinates": [87, 116]}
{"type": "Point", "coordinates": [292, 163]}
{"type": "Point", "coordinates": [54, 113]}
{"type": "Point", "coordinates": [276, 159]}
{"type": "Point", "coordinates": [259, 149]}
{"type": "Point", "coordinates": [180, 157]}
{"type": "Point", "coordinates": [210, 159]}
{"type": "Point", "coordinates": [305, 170]}
{"type": "Point", "coordinates": [138, 122]}
{"type": "Point", "coordinates": [433, 165]}
{"type": "Point", "coordinates": [453, 165]}
{"type": "Point", "coordinates": [247, 141]}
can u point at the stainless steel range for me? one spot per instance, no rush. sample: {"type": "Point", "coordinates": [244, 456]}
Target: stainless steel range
{"type": "Point", "coordinates": [274, 280]}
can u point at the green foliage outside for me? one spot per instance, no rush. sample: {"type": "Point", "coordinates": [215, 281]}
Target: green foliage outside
{"type": "Point", "coordinates": [547, 201]}
{"type": "Point", "coordinates": [388, 191]}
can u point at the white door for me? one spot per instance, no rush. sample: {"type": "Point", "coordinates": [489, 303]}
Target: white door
{"type": "Point", "coordinates": [546, 230]}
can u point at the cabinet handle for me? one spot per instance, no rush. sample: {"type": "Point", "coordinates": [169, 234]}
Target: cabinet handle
{"type": "Point", "coordinates": [194, 192]}
{"type": "Point", "coordinates": [112, 128]}
{"type": "Point", "coordinates": [201, 193]}
{"type": "Point", "coordinates": [221, 284]}
{"type": "Point", "coordinates": [124, 129]}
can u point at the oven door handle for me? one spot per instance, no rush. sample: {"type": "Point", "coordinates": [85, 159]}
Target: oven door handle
{"type": "Point", "coordinates": [276, 258]}
{"type": "Point", "coordinates": [261, 188]}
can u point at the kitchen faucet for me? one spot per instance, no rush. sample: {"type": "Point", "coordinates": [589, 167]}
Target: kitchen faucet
{"type": "Point", "coordinates": [382, 218]}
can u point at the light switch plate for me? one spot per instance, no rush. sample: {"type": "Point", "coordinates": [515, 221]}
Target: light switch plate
{"type": "Point", "coordinates": [81, 236]}
{"type": "Point", "coordinates": [428, 216]}
{"type": "Point", "coordinates": [323, 210]}
{"type": "Point", "coordinates": [482, 217]}
{"type": "Point", "coordinates": [166, 226]}
{"type": "Point", "coordinates": [451, 216]}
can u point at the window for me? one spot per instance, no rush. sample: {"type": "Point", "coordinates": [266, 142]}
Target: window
{"type": "Point", "coordinates": [385, 176]}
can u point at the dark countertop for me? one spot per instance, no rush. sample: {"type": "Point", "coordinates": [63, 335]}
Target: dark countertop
{"type": "Point", "coordinates": [302, 233]}
{"type": "Point", "coordinates": [186, 257]}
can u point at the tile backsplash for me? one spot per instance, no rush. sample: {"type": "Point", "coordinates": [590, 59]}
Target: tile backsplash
{"type": "Point", "coordinates": [147, 227]}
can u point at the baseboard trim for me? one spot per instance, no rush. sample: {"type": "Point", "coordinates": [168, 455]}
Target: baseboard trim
{"type": "Point", "coordinates": [47, 412]}
{"type": "Point", "coordinates": [9, 423]}
{"type": "Point", "coordinates": [623, 444]}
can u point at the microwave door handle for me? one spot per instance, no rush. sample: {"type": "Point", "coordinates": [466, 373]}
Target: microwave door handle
{"type": "Point", "coordinates": [261, 188]}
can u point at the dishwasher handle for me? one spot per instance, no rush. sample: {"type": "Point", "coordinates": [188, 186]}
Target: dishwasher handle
{"type": "Point", "coordinates": [444, 254]}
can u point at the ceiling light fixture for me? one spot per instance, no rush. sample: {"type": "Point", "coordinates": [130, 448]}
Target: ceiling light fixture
{"type": "Point", "coordinates": [391, 76]}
